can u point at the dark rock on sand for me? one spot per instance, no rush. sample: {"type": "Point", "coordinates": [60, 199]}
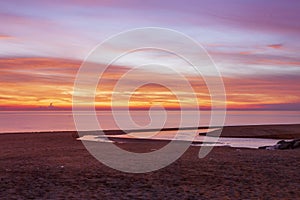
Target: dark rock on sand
{"type": "Point", "coordinates": [296, 144]}
{"type": "Point", "coordinates": [264, 147]}
{"type": "Point", "coordinates": [284, 144]}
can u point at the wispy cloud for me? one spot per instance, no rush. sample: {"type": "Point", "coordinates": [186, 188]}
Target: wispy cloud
{"type": "Point", "coordinates": [5, 37]}
{"type": "Point", "coordinates": [275, 46]}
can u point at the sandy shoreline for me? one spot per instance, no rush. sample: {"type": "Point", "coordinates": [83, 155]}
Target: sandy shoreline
{"type": "Point", "coordinates": [56, 166]}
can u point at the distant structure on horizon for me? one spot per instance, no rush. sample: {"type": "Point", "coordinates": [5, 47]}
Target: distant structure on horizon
{"type": "Point", "coordinates": [51, 107]}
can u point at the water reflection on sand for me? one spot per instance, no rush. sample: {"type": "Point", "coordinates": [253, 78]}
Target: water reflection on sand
{"type": "Point", "coordinates": [186, 136]}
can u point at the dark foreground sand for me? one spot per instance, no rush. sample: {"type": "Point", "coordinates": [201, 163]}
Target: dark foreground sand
{"type": "Point", "coordinates": [56, 166]}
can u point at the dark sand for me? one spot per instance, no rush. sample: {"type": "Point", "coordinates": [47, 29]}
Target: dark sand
{"type": "Point", "coordinates": [56, 166]}
{"type": "Point", "coordinates": [290, 131]}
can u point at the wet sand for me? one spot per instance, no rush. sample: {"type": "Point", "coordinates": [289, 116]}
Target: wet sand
{"type": "Point", "coordinates": [56, 166]}
{"type": "Point", "coordinates": [287, 131]}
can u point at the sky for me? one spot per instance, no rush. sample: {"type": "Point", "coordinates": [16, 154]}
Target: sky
{"type": "Point", "coordinates": [254, 44]}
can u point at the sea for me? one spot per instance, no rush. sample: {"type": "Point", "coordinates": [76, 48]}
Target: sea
{"type": "Point", "coordinates": [39, 121]}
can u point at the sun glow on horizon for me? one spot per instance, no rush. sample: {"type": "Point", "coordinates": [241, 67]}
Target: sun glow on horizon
{"type": "Point", "coordinates": [43, 81]}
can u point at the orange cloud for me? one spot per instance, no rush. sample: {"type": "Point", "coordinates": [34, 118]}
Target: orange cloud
{"type": "Point", "coordinates": [275, 46]}
{"type": "Point", "coordinates": [4, 37]}
{"type": "Point", "coordinates": [37, 82]}
{"type": "Point", "coordinates": [255, 92]}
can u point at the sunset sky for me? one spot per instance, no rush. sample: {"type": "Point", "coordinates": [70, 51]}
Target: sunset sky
{"type": "Point", "coordinates": [254, 43]}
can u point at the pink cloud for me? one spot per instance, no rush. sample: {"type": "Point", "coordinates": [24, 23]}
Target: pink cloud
{"type": "Point", "coordinates": [5, 37]}
{"type": "Point", "coordinates": [275, 46]}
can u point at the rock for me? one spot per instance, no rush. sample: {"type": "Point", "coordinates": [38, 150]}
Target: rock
{"type": "Point", "coordinates": [283, 144]}
{"type": "Point", "coordinates": [271, 147]}
{"type": "Point", "coordinates": [263, 147]}
{"type": "Point", "coordinates": [296, 144]}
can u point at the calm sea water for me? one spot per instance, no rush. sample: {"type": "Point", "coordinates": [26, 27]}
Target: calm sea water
{"type": "Point", "coordinates": [28, 121]}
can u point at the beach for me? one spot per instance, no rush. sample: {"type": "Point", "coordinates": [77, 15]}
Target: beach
{"type": "Point", "coordinates": [55, 165]}
{"type": "Point", "coordinates": [150, 100]}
